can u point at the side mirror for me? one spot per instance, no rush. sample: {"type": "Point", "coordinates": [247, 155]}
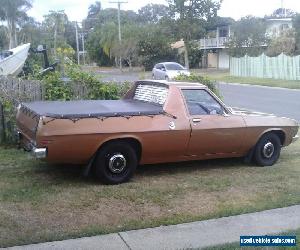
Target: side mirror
{"type": "Point", "coordinates": [163, 69]}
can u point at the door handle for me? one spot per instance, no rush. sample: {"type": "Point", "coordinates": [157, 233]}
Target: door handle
{"type": "Point", "coordinates": [196, 120]}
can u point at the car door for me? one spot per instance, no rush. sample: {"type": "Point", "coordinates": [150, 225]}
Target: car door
{"type": "Point", "coordinates": [157, 69]}
{"type": "Point", "coordinates": [213, 129]}
{"type": "Point", "coordinates": [163, 72]}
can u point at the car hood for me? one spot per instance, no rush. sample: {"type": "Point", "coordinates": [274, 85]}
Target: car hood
{"type": "Point", "coordinates": [263, 118]}
{"type": "Point", "coordinates": [240, 111]}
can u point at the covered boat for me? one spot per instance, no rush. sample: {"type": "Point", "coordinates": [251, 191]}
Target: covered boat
{"type": "Point", "coordinates": [12, 61]}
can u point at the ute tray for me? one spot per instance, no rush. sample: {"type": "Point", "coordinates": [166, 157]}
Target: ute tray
{"type": "Point", "coordinates": [93, 108]}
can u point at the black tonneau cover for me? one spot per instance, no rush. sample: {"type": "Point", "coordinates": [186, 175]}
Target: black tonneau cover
{"type": "Point", "coordinates": [90, 108]}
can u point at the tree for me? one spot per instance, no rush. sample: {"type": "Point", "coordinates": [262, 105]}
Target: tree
{"type": "Point", "coordinates": [189, 18]}
{"type": "Point", "coordinates": [110, 15]}
{"type": "Point", "coordinates": [153, 13]}
{"type": "Point", "coordinates": [55, 22]}
{"type": "Point", "coordinates": [3, 38]}
{"type": "Point", "coordinates": [94, 9]}
{"type": "Point", "coordinates": [249, 37]}
{"type": "Point", "coordinates": [101, 41]}
{"type": "Point", "coordinates": [218, 21]}
{"type": "Point", "coordinates": [95, 50]}
{"type": "Point", "coordinates": [285, 43]}
{"type": "Point", "coordinates": [13, 11]}
{"type": "Point", "coordinates": [127, 50]}
{"type": "Point", "coordinates": [154, 46]}
{"type": "Point", "coordinates": [30, 32]}
{"type": "Point", "coordinates": [296, 25]}
{"type": "Point", "coordinates": [281, 13]}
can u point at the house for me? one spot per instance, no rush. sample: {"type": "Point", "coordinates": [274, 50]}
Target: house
{"type": "Point", "coordinates": [275, 26]}
{"type": "Point", "coordinates": [215, 46]}
{"type": "Point", "coordinates": [215, 53]}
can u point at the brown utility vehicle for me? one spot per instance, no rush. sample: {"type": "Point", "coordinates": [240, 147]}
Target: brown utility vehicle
{"type": "Point", "coordinates": [155, 122]}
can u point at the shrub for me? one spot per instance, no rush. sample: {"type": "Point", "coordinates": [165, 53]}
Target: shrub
{"type": "Point", "coordinates": [56, 89]}
{"type": "Point", "coordinates": [80, 85]}
{"type": "Point", "coordinates": [96, 89]}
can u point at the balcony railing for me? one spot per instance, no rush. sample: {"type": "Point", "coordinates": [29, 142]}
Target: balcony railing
{"type": "Point", "coordinates": [210, 43]}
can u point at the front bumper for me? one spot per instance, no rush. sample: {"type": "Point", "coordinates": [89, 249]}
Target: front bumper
{"type": "Point", "coordinates": [295, 138]}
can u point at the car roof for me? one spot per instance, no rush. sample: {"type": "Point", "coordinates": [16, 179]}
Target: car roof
{"type": "Point", "coordinates": [169, 63]}
{"type": "Point", "coordinates": [178, 84]}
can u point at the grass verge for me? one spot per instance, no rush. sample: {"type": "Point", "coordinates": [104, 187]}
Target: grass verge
{"type": "Point", "coordinates": [224, 76]}
{"type": "Point", "coordinates": [41, 202]}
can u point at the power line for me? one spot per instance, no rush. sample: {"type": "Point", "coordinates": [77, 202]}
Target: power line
{"type": "Point", "coordinates": [119, 25]}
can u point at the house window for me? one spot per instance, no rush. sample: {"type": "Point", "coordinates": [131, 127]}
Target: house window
{"type": "Point", "coordinates": [223, 32]}
{"type": "Point", "coordinates": [284, 26]}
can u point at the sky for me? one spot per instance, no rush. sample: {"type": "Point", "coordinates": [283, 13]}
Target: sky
{"type": "Point", "coordinates": [77, 9]}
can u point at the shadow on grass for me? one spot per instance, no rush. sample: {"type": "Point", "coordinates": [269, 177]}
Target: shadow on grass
{"type": "Point", "coordinates": [74, 173]}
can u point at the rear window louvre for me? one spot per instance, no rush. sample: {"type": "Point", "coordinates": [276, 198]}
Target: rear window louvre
{"type": "Point", "coordinates": [151, 93]}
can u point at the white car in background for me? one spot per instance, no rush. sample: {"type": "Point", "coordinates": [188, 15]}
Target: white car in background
{"type": "Point", "coordinates": [168, 71]}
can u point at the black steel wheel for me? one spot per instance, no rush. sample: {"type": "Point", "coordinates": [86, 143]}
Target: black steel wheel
{"type": "Point", "coordinates": [115, 163]}
{"type": "Point", "coordinates": [267, 150]}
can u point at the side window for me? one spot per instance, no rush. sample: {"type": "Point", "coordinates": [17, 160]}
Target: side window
{"type": "Point", "coordinates": [200, 102]}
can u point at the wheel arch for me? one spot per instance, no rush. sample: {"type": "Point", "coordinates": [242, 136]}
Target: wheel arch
{"type": "Point", "coordinates": [131, 140]}
{"type": "Point", "coordinates": [279, 132]}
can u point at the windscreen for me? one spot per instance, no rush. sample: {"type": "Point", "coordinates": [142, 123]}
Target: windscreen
{"type": "Point", "coordinates": [151, 93]}
{"type": "Point", "coordinates": [173, 66]}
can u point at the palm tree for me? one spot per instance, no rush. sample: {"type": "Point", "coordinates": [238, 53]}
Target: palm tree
{"type": "Point", "coordinates": [13, 11]}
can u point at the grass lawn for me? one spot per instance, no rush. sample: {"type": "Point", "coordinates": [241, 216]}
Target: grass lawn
{"type": "Point", "coordinates": [224, 76]}
{"type": "Point", "coordinates": [40, 202]}
{"type": "Point", "coordinates": [236, 246]}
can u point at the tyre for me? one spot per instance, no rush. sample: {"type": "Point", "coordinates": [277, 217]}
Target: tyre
{"type": "Point", "coordinates": [153, 77]}
{"type": "Point", "coordinates": [115, 163]}
{"type": "Point", "coordinates": [267, 150]}
{"type": "Point", "coordinates": [167, 78]}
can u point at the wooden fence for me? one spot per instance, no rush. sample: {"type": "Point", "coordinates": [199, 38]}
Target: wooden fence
{"type": "Point", "coordinates": [22, 90]}
{"type": "Point", "coordinates": [14, 91]}
{"type": "Point", "coordinates": [279, 67]}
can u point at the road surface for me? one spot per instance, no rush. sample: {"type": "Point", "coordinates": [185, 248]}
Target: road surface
{"type": "Point", "coordinates": [278, 101]}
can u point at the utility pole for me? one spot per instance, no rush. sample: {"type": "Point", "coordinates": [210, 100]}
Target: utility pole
{"type": "Point", "coordinates": [119, 24]}
{"type": "Point", "coordinates": [83, 49]}
{"type": "Point", "coordinates": [77, 43]}
{"type": "Point", "coordinates": [282, 8]}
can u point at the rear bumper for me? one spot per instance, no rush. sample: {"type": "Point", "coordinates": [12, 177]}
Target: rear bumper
{"type": "Point", "coordinates": [38, 153]}
{"type": "Point", "coordinates": [295, 138]}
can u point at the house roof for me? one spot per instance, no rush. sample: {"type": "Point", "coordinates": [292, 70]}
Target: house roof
{"type": "Point", "coordinates": [178, 44]}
